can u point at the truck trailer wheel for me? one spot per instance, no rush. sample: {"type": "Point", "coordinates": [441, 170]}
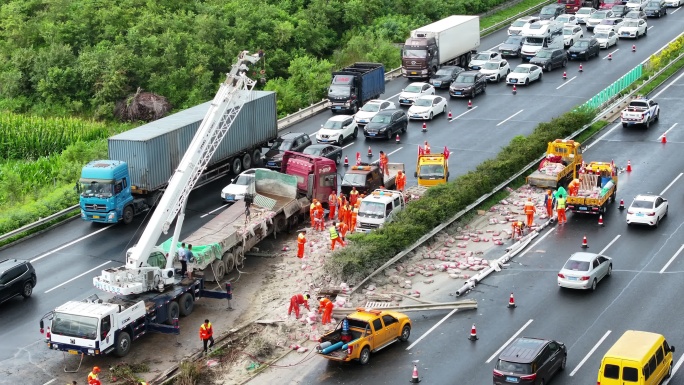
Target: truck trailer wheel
{"type": "Point", "coordinates": [187, 303]}
{"type": "Point", "coordinates": [127, 216]}
{"type": "Point", "coordinates": [215, 271]}
{"type": "Point", "coordinates": [123, 344]}
{"type": "Point", "coordinates": [256, 158]}
{"type": "Point", "coordinates": [247, 161]}
{"type": "Point", "coordinates": [236, 166]}
{"type": "Point", "coordinates": [172, 311]}
{"type": "Point", "coordinates": [229, 262]}
{"type": "Point", "coordinates": [239, 256]}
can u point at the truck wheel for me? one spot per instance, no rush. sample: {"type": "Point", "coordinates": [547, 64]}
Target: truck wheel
{"type": "Point", "coordinates": [239, 256]}
{"type": "Point", "coordinates": [648, 124]}
{"type": "Point", "coordinates": [364, 357]}
{"type": "Point", "coordinates": [229, 262]}
{"type": "Point", "coordinates": [172, 311]}
{"type": "Point", "coordinates": [123, 344]}
{"type": "Point", "coordinates": [218, 270]}
{"type": "Point", "coordinates": [187, 303]}
{"type": "Point", "coordinates": [236, 166]}
{"type": "Point", "coordinates": [405, 333]}
{"type": "Point", "coordinates": [127, 216]}
{"type": "Point", "coordinates": [338, 159]}
{"type": "Point", "coordinates": [246, 162]}
{"type": "Point", "coordinates": [624, 125]}
{"type": "Point", "coordinates": [355, 109]}
{"type": "Point", "coordinates": [256, 158]}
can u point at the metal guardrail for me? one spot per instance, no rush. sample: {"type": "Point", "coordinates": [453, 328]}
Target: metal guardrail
{"type": "Point", "coordinates": [502, 23]}
{"type": "Point", "coordinates": [38, 223]}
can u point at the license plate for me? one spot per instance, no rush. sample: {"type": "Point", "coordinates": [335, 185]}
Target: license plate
{"type": "Point", "coordinates": [457, 92]}
{"type": "Point", "coordinates": [437, 84]}
{"type": "Point", "coordinates": [640, 214]}
{"type": "Point", "coordinates": [574, 55]}
{"type": "Point", "coordinates": [414, 73]}
{"type": "Point", "coordinates": [476, 67]}
{"type": "Point", "coordinates": [572, 278]}
{"type": "Point", "coordinates": [96, 217]}
{"type": "Point", "coordinates": [514, 80]}
{"type": "Point", "coordinates": [363, 121]}
{"type": "Point", "coordinates": [271, 163]}
{"type": "Point", "coordinates": [73, 352]}
{"type": "Point", "coordinates": [415, 116]}
{"type": "Point", "coordinates": [512, 379]}
{"type": "Point", "coordinates": [583, 209]}
{"type": "Point", "coordinates": [404, 101]}
{"type": "Point", "coordinates": [371, 134]}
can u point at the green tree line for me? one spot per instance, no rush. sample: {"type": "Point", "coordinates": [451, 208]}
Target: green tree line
{"type": "Point", "coordinates": [62, 57]}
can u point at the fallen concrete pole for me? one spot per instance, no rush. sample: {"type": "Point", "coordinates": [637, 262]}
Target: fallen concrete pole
{"type": "Point", "coordinates": [468, 304]}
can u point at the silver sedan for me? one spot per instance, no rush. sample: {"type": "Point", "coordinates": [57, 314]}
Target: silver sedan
{"type": "Point", "coordinates": [584, 270]}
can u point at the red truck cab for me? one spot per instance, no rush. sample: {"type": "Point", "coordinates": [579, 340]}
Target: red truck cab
{"type": "Point", "coordinates": [316, 176]}
{"type": "Point", "coordinates": [608, 4]}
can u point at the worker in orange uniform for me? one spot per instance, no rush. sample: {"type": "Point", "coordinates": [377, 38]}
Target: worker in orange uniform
{"type": "Point", "coordinates": [332, 204]}
{"type": "Point", "coordinates": [548, 203]}
{"type": "Point", "coordinates": [319, 219]}
{"type": "Point", "coordinates": [529, 212]}
{"type": "Point", "coordinates": [92, 376]}
{"type": "Point", "coordinates": [401, 181]}
{"type": "Point", "coordinates": [301, 242]}
{"type": "Point", "coordinates": [573, 187]}
{"type": "Point", "coordinates": [343, 230]}
{"type": "Point", "coordinates": [560, 208]}
{"type": "Point", "coordinates": [354, 215]}
{"type": "Point", "coordinates": [312, 210]}
{"type": "Point", "coordinates": [383, 163]}
{"type": "Point", "coordinates": [427, 148]}
{"type": "Point", "coordinates": [348, 214]}
{"type": "Point", "coordinates": [358, 202]}
{"type": "Point", "coordinates": [319, 207]}
{"type": "Point", "coordinates": [353, 196]}
{"type": "Point", "coordinates": [326, 307]}
{"type": "Point", "coordinates": [296, 301]}
{"type": "Point", "coordinates": [342, 211]}
{"type": "Point", "coordinates": [206, 333]}
{"type": "Point", "coordinates": [334, 236]}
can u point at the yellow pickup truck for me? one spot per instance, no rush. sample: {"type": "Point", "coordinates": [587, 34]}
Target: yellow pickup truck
{"type": "Point", "coordinates": [362, 333]}
{"type": "Point", "coordinates": [432, 169]}
{"type": "Point", "coordinates": [559, 166]}
{"type": "Point", "coordinates": [598, 182]}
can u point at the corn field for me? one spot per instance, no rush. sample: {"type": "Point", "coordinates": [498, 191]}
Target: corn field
{"type": "Point", "coordinates": [30, 137]}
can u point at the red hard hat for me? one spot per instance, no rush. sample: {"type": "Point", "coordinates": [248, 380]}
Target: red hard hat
{"type": "Point", "coordinates": [96, 369]}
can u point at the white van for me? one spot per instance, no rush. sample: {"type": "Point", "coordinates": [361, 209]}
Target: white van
{"type": "Point", "coordinates": [533, 44]}
{"type": "Point", "coordinates": [379, 208]}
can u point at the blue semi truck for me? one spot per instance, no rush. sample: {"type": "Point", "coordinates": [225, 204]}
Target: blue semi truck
{"type": "Point", "coordinates": [353, 86]}
{"type": "Point", "coordinates": [144, 159]}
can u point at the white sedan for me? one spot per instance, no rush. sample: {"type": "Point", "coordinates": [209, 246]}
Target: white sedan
{"type": "Point", "coordinates": [584, 270]}
{"type": "Point", "coordinates": [647, 210]}
{"type": "Point", "coordinates": [495, 70]}
{"type": "Point", "coordinates": [337, 129]}
{"type": "Point", "coordinates": [524, 74]}
{"type": "Point", "coordinates": [609, 24]}
{"type": "Point", "coordinates": [583, 14]}
{"type": "Point", "coordinates": [370, 109]}
{"type": "Point", "coordinates": [673, 3]}
{"type": "Point", "coordinates": [636, 4]}
{"type": "Point", "coordinates": [426, 107]}
{"type": "Point", "coordinates": [606, 39]}
{"type": "Point", "coordinates": [567, 19]}
{"type": "Point", "coordinates": [480, 58]}
{"type": "Point", "coordinates": [415, 90]}
{"type": "Point", "coordinates": [633, 28]}
{"type": "Point", "coordinates": [239, 186]}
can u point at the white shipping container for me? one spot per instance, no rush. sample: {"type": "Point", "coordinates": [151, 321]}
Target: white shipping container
{"type": "Point", "coordinates": [455, 35]}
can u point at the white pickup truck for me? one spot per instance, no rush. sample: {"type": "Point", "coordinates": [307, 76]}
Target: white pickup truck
{"type": "Point", "coordinates": [640, 111]}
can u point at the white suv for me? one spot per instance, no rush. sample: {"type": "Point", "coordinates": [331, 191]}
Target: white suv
{"type": "Point", "coordinates": [370, 109]}
{"type": "Point", "coordinates": [337, 129]}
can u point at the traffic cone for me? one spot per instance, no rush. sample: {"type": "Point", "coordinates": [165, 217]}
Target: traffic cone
{"type": "Point", "coordinates": [473, 334]}
{"type": "Point", "coordinates": [629, 166]}
{"type": "Point", "coordinates": [515, 90]}
{"type": "Point", "coordinates": [414, 376]}
{"type": "Point", "coordinates": [584, 242]}
{"type": "Point", "coordinates": [663, 139]}
{"type": "Point", "coordinates": [565, 75]}
{"type": "Point", "coordinates": [580, 68]}
{"type": "Point", "coordinates": [511, 302]}
{"type": "Point", "coordinates": [600, 219]}
{"type": "Point", "coordinates": [346, 161]}
{"type": "Point", "coordinates": [470, 104]}
{"type": "Point", "coordinates": [633, 47]}
{"type": "Point", "coordinates": [424, 127]}
{"type": "Point", "coordinates": [449, 116]}
{"type": "Point", "coordinates": [397, 140]}
{"type": "Point", "coordinates": [370, 152]}
{"type": "Point", "coordinates": [622, 204]}
{"type": "Point", "coordinates": [358, 158]}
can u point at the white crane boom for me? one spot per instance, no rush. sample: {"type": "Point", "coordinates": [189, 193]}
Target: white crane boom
{"type": "Point", "coordinates": [139, 276]}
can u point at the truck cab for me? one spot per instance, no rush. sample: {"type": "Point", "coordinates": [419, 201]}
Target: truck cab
{"type": "Point", "coordinates": [316, 176]}
{"type": "Point", "coordinates": [105, 192]}
{"type": "Point", "coordinates": [432, 169]}
{"type": "Point", "coordinates": [379, 208]}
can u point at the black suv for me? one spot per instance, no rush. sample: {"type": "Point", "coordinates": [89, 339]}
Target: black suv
{"type": "Point", "coordinates": [550, 58]}
{"type": "Point", "coordinates": [386, 123]}
{"type": "Point", "coordinates": [530, 361]}
{"type": "Point", "coordinates": [468, 84]}
{"type": "Point", "coordinates": [584, 48]}
{"type": "Point", "coordinates": [655, 8]}
{"type": "Point", "coordinates": [292, 141]}
{"type": "Point", "coordinates": [551, 11]}
{"type": "Point", "coordinates": [17, 277]}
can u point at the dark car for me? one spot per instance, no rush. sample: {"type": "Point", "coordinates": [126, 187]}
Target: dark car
{"type": "Point", "coordinates": [386, 124]}
{"type": "Point", "coordinates": [444, 76]}
{"type": "Point", "coordinates": [512, 46]}
{"type": "Point", "coordinates": [551, 11]}
{"type": "Point", "coordinates": [325, 150]}
{"type": "Point", "coordinates": [655, 8]}
{"type": "Point", "coordinates": [468, 84]}
{"type": "Point", "coordinates": [550, 58]}
{"type": "Point", "coordinates": [620, 10]}
{"type": "Point", "coordinates": [293, 141]}
{"type": "Point", "coordinates": [17, 277]}
{"type": "Point", "coordinates": [530, 361]}
{"type": "Point", "coordinates": [584, 48]}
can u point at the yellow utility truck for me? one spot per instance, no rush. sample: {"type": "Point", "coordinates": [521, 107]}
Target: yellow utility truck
{"type": "Point", "coordinates": [432, 169]}
{"type": "Point", "coordinates": [598, 182]}
{"type": "Point", "coordinates": [563, 160]}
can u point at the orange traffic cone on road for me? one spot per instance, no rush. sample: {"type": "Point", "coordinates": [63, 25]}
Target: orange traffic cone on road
{"type": "Point", "coordinates": [600, 219]}
{"type": "Point", "coordinates": [449, 116]}
{"type": "Point", "coordinates": [424, 127]}
{"type": "Point", "coordinates": [610, 56]}
{"type": "Point", "coordinates": [414, 375]}
{"type": "Point", "coordinates": [633, 47]}
{"type": "Point", "coordinates": [515, 89]}
{"type": "Point", "coordinates": [629, 166]}
{"type": "Point", "coordinates": [622, 204]}
{"type": "Point", "coordinates": [473, 334]}
{"type": "Point", "coordinates": [580, 68]}
{"type": "Point", "coordinates": [470, 104]}
{"type": "Point", "coordinates": [663, 139]}
{"type": "Point", "coordinates": [346, 161]}
{"type": "Point", "coordinates": [511, 302]}
{"type": "Point", "coordinates": [397, 140]}
{"type": "Point", "coordinates": [370, 152]}
{"type": "Point", "coordinates": [565, 75]}
{"type": "Point", "coordinates": [584, 242]}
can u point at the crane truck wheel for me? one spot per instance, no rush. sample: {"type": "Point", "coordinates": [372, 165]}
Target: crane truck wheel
{"type": "Point", "coordinates": [127, 216]}
{"type": "Point", "coordinates": [123, 344]}
{"type": "Point", "coordinates": [172, 312]}
{"type": "Point", "coordinates": [229, 262]}
{"type": "Point", "coordinates": [246, 161]}
{"type": "Point", "coordinates": [187, 303]}
{"type": "Point", "coordinates": [236, 166]}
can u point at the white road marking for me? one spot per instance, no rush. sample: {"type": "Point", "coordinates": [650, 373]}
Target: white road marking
{"type": "Point", "coordinates": [458, 116]}
{"type": "Point", "coordinates": [681, 359]}
{"type": "Point", "coordinates": [619, 124]}
{"type": "Point", "coordinates": [671, 183]}
{"type": "Point", "coordinates": [674, 12]}
{"type": "Point", "coordinates": [509, 118]}
{"type": "Point", "coordinates": [650, 27]}
{"type": "Point", "coordinates": [78, 276]}
{"type": "Point", "coordinates": [535, 243]}
{"type": "Point", "coordinates": [671, 259]}
{"type": "Point", "coordinates": [590, 353]}
{"type": "Point", "coordinates": [393, 96]}
{"type": "Point", "coordinates": [69, 244]}
{"type": "Point", "coordinates": [668, 130]}
{"type": "Point", "coordinates": [610, 53]}
{"type": "Point", "coordinates": [50, 382]}
{"type": "Point", "coordinates": [432, 328]}
{"type": "Point", "coordinates": [213, 211]}
{"type": "Point", "coordinates": [667, 86]}
{"type": "Point", "coordinates": [348, 145]}
{"type": "Point", "coordinates": [495, 47]}
{"type": "Point", "coordinates": [376, 161]}
{"type": "Point", "coordinates": [496, 353]}
{"type": "Point", "coordinates": [609, 244]}
{"type": "Point", "coordinates": [566, 82]}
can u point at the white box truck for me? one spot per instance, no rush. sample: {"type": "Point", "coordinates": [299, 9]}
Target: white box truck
{"type": "Point", "coordinates": [447, 41]}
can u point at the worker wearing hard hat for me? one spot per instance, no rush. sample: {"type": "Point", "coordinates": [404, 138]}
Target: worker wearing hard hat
{"type": "Point", "coordinates": [549, 201]}
{"type": "Point", "coordinates": [529, 212]}
{"type": "Point", "coordinates": [401, 181]}
{"type": "Point", "coordinates": [296, 301]}
{"type": "Point", "coordinates": [92, 376]}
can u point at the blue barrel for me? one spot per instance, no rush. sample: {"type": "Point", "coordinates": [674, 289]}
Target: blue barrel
{"type": "Point", "coordinates": [332, 348]}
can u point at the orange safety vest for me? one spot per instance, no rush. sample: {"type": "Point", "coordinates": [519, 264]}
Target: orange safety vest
{"type": "Point", "coordinates": [301, 239]}
{"type": "Point", "coordinates": [401, 181]}
{"type": "Point", "coordinates": [332, 200]}
{"type": "Point", "coordinates": [529, 208]}
{"type": "Point", "coordinates": [353, 196]}
{"type": "Point", "coordinates": [206, 331]}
